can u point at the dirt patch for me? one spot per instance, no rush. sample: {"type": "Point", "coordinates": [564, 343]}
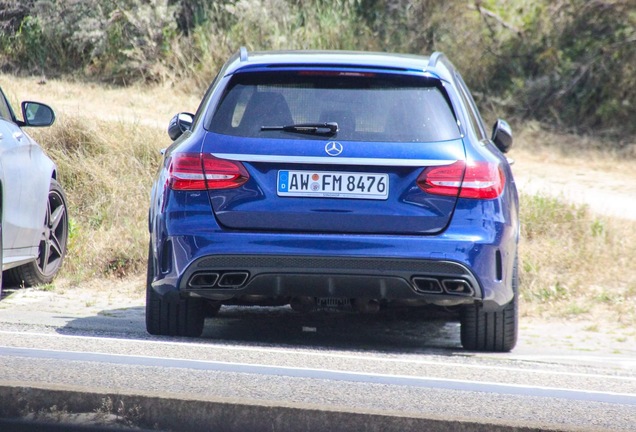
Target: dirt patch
{"type": "Point", "coordinates": [606, 189]}
{"type": "Point", "coordinates": [88, 299]}
{"type": "Point", "coordinates": [577, 341]}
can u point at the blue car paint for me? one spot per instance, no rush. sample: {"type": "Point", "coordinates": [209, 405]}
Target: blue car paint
{"type": "Point", "coordinates": [476, 232]}
{"type": "Point", "coordinates": [469, 234]}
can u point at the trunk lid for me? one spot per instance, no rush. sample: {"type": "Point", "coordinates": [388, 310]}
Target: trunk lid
{"type": "Point", "coordinates": [297, 187]}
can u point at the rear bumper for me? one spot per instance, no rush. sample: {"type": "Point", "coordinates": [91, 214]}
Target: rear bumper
{"type": "Point", "coordinates": [228, 277]}
{"type": "Point", "coordinates": [477, 251]}
{"type": "Point", "coordinates": [226, 266]}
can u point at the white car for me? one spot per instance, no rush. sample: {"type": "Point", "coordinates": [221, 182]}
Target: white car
{"type": "Point", "coordinates": [33, 209]}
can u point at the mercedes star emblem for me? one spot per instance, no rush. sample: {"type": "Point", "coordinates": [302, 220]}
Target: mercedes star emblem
{"type": "Point", "coordinates": [333, 148]}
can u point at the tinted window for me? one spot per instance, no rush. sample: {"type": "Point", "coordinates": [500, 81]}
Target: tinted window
{"type": "Point", "coordinates": [367, 107]}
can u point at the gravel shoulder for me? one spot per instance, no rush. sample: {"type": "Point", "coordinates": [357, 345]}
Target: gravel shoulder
{"type": "Point", "coordinates": [580, 341]}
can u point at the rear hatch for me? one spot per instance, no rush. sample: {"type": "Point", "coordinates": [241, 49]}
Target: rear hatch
{"type": "Point", "coordinates": [332, 151]}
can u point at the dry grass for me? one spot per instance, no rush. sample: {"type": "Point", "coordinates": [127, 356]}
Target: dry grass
{"type": "Point", "coordinates": [574, 262]}
{"type": "Point", "coordinates": [106, 143]}
{"type": "Point", "coordinates": [150, 106]}
{"type": "Point", "coordinates": [577, 260]}
{"type": "Point", "coordinates": [106, 168]}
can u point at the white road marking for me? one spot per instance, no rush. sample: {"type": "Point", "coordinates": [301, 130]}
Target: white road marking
{"type": "Point", "coordinates": [623, 362]}
{"type": "Point", "coordinates": [354, 357]}
{"type": "Point", "coordinates": [327, 374]}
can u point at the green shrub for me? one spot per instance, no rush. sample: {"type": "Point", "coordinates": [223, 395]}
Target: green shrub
{"type": "Point", "coordinates": [567, 63]}
{"type": "Point", "coordinates": [118, 41]}
{"type": "Point", "coordinates": [571, 64]}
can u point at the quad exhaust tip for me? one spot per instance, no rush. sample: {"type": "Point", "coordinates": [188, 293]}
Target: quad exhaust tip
{"type": "Point", "coordinates": [233, 279]}
{"type": "Point", "coordinates": [428, 285]}
{"type": "Point", "coordinates": [203, 280]}
{"type": "Point", "coordinates": [210, 280]}
{"type": "Point", "coordinates": [457, 286]}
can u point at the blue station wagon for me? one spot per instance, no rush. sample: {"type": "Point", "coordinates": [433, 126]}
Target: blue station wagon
{"type": "Point", "coordinates": [321, 178]}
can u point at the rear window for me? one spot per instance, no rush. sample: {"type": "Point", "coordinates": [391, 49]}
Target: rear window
{"type": "Point", "coordinates": [366, 106]}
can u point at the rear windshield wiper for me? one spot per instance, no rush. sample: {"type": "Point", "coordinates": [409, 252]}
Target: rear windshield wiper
{"type": "Point", "coordinates": [328, 128]}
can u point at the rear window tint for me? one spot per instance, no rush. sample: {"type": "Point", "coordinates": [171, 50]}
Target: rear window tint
{"type": "Point", "coordinates": [367, 107]}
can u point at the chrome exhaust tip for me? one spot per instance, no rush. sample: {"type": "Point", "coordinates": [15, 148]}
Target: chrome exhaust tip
{"type": "Point", "coordinates": [233, 279]}
{"type": "Point", "coordinates": [203, 280]}
{"type": "Point", "coordinates": [427, 285]}
{"type": "Point", "coordinates": [457, 286]}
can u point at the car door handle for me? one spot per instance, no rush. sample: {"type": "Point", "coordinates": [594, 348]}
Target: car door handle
{"type": "Point", "coordinates": [18, 135]}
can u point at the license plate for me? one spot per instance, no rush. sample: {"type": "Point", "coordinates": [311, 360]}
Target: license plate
{"type": "Point", "coordinates": [333, 184]}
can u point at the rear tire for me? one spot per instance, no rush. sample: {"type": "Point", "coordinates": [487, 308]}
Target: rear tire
{"type": "Point", "coordinates": [171, 315]}
{"type": "Point", "coordinates": [492, 331]}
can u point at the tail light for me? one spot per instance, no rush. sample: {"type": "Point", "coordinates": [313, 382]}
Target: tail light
{"type": "Point", "coordinates": [193, 171]}
{"type": "Point", "coordinates": [474, 179]}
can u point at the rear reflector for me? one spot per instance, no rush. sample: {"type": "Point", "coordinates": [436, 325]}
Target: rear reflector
{"type": "Point", "coordinates": [193, 171]}
{"type": "Point", "coordinates": [475, 179]}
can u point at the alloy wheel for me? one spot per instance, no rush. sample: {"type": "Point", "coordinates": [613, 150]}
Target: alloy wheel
{"type": "Point", "coordinates": [54, 235]}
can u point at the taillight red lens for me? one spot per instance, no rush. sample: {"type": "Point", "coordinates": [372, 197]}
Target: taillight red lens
{"type": "Point", "coordinates": [442, 180]}
{"type": "Point", "coordinates": [185, 172]}
{"type": "Point", "coordinates": [475, 179]}
{"type": "Point", "coordinates": [483, 180]}
{"type": "Point", "coordinates": [193, 171]}
{"type": "Point", "coordinates": [223, 173]}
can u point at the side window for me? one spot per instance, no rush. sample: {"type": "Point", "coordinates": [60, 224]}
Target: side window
{"type": "Point", "coordinates": [473, 113]}
{"type": "Point", "coordinates": [5, 111]}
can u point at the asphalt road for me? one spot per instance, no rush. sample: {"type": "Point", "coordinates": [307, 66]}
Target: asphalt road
{"type": "Point", "coordinates": [397, 364]}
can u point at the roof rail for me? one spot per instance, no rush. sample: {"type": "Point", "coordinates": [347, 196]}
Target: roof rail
{"type": "Point", "coordinates": [434, 58]}
{"type": "Point", "coordinates": [243, 54]}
